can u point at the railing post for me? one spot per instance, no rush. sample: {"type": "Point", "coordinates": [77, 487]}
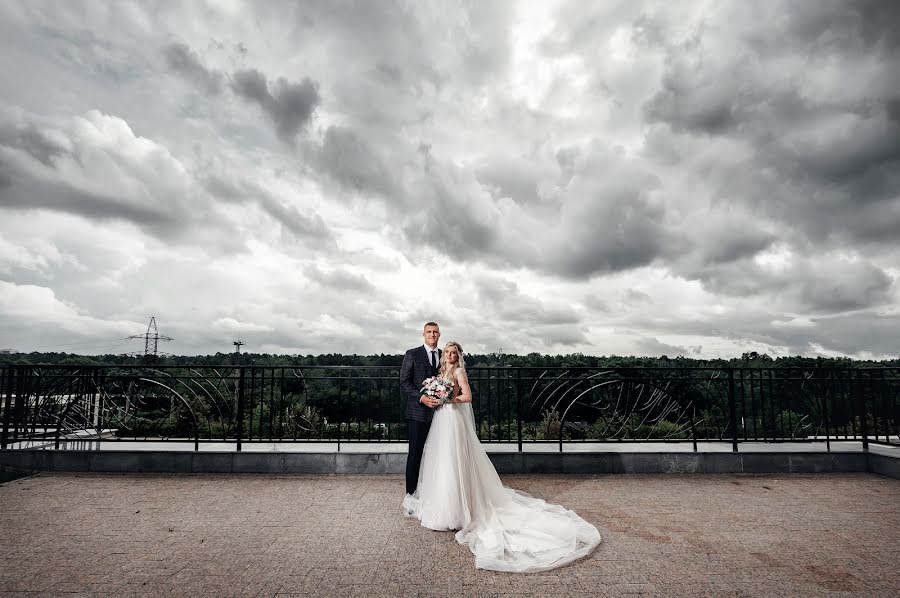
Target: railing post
{"type": "Point", "coordinates": [884, 407]}
{"type": "Point", "coordinates": [519, 406]}
{"type": "Point", "coordinates": [562, 423]}
{"type": "Point", "coordinates": [97, 384]}
{"type": "Point", "coordinates": [9, 377]}
{"type": "Point", "coordinates": [23, 389]}
{"type": "Point", "coordinates": [861, 406]}
{"type": "Point", "coordinates": [340, 412]}
{"type": "Point", "coordinates": [693, 426]}
{"type": "Point", "coordinates": [825, 397]}
{"type": "Point", "coordinates": [686, 402]}
{"type": "Point", "coordinates": [240, 407]}
{"type": "Point", "coordinates": [732, 411]}
{"type": "Point", "coordinates": [197, 429]}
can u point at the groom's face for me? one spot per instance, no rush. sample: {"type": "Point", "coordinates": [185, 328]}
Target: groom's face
{"type": "Point", "coordinates": [431, 335]}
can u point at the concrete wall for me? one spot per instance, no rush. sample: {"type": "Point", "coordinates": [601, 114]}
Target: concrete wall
{"type": "Point", "coordinates": [15, 462]}
{"type": "Point", "coordinates": [884, 465]}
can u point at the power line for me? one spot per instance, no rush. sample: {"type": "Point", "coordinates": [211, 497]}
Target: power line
{"type": "Point", "coordinates": [116, 342]}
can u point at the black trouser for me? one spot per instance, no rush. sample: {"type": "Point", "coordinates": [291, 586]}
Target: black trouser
{"type": "Point", "coordinates": [418, 431]}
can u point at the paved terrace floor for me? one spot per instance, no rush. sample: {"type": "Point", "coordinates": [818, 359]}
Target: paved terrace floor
{"type": "Point", "coordinates": [255, 535]}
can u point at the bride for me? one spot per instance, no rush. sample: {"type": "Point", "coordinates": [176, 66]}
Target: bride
{"type": "Point", "coordinates": [459, 489]}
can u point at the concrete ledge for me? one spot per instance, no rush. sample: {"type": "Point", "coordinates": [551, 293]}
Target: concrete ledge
{"type": "Point", "coordinates": [370, 463]}
{"type": "Point", "coordinates": [24, 461]}
{"type": "Point", "coordinates": [312, 463]}
{"type": "Point", "coordinates": [210, 462]}
{"type": "Point", "coordinates": [884, 465]}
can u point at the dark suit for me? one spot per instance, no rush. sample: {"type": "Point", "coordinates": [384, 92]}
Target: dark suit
{"type": "Point", "coordinates": [416, 367]}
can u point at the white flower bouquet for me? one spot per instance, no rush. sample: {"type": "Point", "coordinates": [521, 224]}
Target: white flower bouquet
{"type": "Point", "coordinates": [438, 388]}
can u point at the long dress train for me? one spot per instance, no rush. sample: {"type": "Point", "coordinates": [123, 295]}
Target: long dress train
{"type": "Point", "coordinates": [505, 529]}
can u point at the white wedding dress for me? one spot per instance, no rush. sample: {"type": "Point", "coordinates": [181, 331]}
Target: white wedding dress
{"type": "Point", "coordinates": [505, 529]}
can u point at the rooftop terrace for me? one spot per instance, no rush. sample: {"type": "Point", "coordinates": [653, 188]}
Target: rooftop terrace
{"type": "Point", "coordinates": [327, 535]}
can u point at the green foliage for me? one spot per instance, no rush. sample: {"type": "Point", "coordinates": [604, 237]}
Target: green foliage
{"type": "Point", "coordinates": [550, 425]}
{"type": "Point", "coordinates": [315, 403]}
{"type": "Point", "coordinates": [601, 429]}
{"type": "Point", "coordinates": [879, 426]}
{"type": "Point", "coordinates": [634, 426]}
{"type": "Point", "coordinates": [532, 431]}
{"type": "Point", "coordinates": [670, 430]}
{"type": "Point", "coordinates": [787, 424]}
{"type": "Point", "coordinates": [499, 429]}
{"type": "Point", "coordinates": [712, 423]}
{"type": "Point", "coordinates": [531, 360]}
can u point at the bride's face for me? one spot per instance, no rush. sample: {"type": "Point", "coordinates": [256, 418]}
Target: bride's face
{"type": "Point", "coordinates": [452, 354]}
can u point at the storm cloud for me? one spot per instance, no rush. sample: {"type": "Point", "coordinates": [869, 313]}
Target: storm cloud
{"type": "Point", "coordinates": [644, 177]}
{"type": "Point", "coordinates": [289, 105]}
{"type": "Point", "coordinates": [184, 61]}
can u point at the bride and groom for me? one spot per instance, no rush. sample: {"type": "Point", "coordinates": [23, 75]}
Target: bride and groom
{"type": "Point", "coordinates": [451, 483]}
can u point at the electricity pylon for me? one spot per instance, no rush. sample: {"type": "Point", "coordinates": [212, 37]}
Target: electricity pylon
{"type": "Point", "coordinates": [151, 338]}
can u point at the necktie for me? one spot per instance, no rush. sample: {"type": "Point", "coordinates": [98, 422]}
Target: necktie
{"type": "Point", "coordinates": [434, 359]}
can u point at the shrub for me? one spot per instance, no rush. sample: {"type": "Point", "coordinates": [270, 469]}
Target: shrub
{"type": "Point", "coordinates": [667, 429]}
{"type": "Point", "coordinates": [789, 424]}
{"type": "Point", "coordinates": [711, 423]}
{"type": "Point", "coordinates": [550, 424]}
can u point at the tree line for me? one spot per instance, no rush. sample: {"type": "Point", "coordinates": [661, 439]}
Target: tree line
{"type": "Point", "coordinates": [531, 360]}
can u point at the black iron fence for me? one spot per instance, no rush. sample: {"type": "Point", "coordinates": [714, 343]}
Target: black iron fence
{"type": "Point", "coordinates": [56, 405]}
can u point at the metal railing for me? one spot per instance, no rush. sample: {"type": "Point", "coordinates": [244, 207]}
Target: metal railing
{"type": "Point", "coordinates": [56, 405]}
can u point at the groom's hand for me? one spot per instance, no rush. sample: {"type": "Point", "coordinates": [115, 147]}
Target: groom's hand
{"type": "Point", "coordinates": [429, 402]}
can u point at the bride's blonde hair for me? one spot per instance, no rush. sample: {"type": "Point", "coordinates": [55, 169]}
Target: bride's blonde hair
{"type": "Point", "coordinates": [445, 370]}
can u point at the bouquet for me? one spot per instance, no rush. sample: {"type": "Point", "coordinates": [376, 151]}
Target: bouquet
{"type": "Point", "coordinates": [438, 388]}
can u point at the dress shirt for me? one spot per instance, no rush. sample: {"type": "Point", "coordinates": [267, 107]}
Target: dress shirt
{"type": "Point", "coordinates": [432, 359]}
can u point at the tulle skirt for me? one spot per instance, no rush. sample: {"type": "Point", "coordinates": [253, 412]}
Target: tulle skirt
{"type": "Point", "coordinates": [505, 529]}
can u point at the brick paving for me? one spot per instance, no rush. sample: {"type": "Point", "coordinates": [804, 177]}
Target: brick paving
{"type": "Point", "coordinates": [258, 535]}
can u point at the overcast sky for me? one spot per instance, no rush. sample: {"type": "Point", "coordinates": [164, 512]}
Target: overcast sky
{"type": "Point", "coordinates": [694, 177]}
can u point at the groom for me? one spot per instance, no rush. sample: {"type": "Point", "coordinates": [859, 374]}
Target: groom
{"type": "Point", "coordinates": [418, 364]}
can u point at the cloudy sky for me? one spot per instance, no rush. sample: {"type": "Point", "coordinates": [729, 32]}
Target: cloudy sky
{"type": "Point", "coordinates": [695, 177]}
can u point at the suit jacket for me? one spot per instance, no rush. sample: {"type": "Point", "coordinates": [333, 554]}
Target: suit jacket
{"type": "Point", "coordinates": [414, 370]}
